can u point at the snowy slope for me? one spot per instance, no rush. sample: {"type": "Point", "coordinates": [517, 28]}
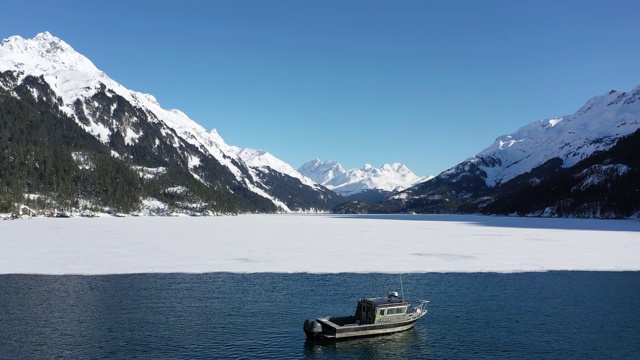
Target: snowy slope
{"type": "Point", "coordinates": [595, 126]}
{"type": "Point", "coordinates": [77, 81]}
{"type": "Point", "coordinates": [388, 178]}
{"type": "Point", "coordinates": [264, 161]}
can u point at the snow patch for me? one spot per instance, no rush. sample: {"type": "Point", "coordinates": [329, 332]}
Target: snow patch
{"type": "Point", "coordinates": [83, 160]}
{"type": "Point", "coordinates": [599, 174]}
{"type": "Point", "coordinates": [553, 122]}
{"type": "Point", "coordinates": [177, 190]}
{"type": "Point", "coordinates": [149, 173]}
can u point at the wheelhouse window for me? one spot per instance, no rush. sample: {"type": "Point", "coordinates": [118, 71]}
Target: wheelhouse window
{"type": "Point", "coordinates": [382, 312]}
{"type": "Point", "coordinates": [396, 311]}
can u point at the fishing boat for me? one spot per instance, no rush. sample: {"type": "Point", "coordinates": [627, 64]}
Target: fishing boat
{"type": "Point", "coordinates": [373, 316]}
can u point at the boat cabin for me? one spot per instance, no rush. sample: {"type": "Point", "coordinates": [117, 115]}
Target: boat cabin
{"type": "Point", "coordinates": [381, 309]}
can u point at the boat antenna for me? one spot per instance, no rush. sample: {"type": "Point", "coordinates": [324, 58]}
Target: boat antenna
{"type": "Point", "coordinates": [401, 288]}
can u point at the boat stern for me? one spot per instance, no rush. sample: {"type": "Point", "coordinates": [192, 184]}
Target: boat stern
{"type": "Point", "coordinates": [312, 328]}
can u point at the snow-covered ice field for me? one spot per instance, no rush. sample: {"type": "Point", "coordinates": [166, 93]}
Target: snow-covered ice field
{"type": "Point", "coordinates": [316, 243]}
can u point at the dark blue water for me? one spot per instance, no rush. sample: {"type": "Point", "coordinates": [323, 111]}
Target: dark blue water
{"type": "Point", "coordinates": [554, 315]}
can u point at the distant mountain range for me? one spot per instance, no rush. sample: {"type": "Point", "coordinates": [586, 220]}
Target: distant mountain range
{"type": "Point", "coordinates": [368, 184]}
{"type": "Point", "coordinates": [73, 138]}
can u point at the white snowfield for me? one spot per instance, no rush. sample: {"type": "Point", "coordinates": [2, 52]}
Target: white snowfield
{"type": "Point", "coordinates": [317, 244]}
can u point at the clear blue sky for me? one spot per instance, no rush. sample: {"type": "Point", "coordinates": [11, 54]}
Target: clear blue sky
{"type": "Point", "coordinates": [425, 83]}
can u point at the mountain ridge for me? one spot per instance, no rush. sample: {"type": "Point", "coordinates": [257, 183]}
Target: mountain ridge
{"type": "Point", "coordinates": [570, 137]}
{"type": "Point", "coordinates": [383, 181]}
{"type": "Point", "coordinates": [131, 123]}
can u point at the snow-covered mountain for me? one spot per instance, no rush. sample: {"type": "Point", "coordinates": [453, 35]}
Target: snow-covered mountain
{"type": "Point", "coordinates": [596, 126]}
{"type": "Point", "coordinates": [131, 123]}
{"type": "Point", "coordinates": [386, 180]}
{"type": "Point", "coordinates": [584, 164]}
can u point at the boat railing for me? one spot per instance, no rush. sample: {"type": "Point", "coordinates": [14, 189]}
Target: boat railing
{"type": "Point", "coordinates": [422, 307]}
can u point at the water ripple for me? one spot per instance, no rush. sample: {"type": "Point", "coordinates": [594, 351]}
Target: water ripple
{"type": "Point", "coordinates": [249, 316]}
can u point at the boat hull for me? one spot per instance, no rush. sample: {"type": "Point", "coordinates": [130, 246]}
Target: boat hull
{"type": "Point", "coordinates": [332, 331]}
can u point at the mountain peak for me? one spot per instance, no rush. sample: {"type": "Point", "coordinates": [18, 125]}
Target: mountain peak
{"type": "Point", "coordinates": [396, 167]}
{"type": "Point", "coordinates": [45, 54]}
{"type": "Point", "coordinates": [46, 37]}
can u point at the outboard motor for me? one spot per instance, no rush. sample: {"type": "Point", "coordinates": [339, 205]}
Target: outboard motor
{"type": "Point", "coordinates": [312, 328]}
